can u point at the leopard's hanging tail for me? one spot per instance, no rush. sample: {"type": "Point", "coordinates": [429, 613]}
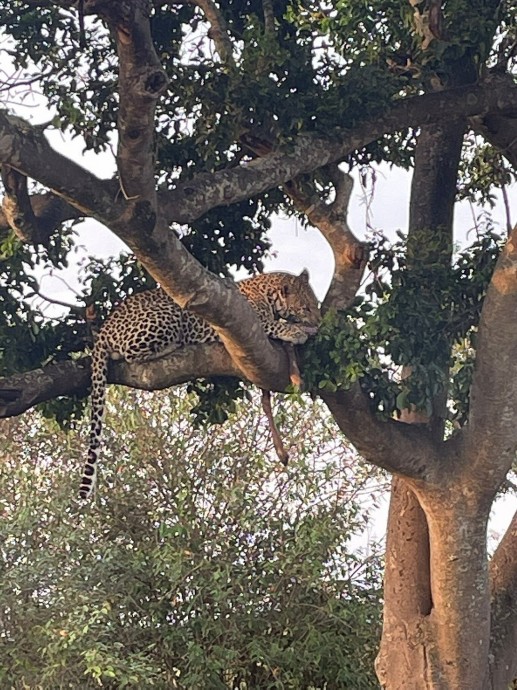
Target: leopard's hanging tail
{"type": "Point", "coordinates": [100, 357]}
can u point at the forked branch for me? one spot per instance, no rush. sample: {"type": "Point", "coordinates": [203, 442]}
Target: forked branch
{"type": "Point", "coordinates": [331, 220]}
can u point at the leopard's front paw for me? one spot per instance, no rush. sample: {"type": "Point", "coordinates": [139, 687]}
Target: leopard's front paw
{"type": "Point", "coordinates": [297, 336]}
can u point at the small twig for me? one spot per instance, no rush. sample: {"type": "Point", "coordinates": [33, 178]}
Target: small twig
{"type": "Point", "coordinates": [50, 274]}
{"type": "Point", "coordinates": [52, 300]}
{"type": "Point", "coordinates": [283, 455]}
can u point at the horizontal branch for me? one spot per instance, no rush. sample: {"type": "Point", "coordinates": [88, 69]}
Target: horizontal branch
{"type": "Point", "coordinates": [308, 152]}
{"type": "Point", "coordinates": [26, 149]}
{"type": "Point", "coordinates": [403, 449]}
{"type": "Point", "coordinates": [20, 392]}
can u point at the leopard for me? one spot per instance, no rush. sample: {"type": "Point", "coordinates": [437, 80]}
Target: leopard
{"type": "Point", "coordinates": [149, 325]}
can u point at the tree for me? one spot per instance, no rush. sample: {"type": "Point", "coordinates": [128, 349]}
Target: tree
{"type": "Point", "coordinates": [224, 573]}
{"type": "Point", "coordinates": [223, 113]}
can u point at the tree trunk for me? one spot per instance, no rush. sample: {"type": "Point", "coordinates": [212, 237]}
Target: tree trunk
{"type": "Point", "coordinates": [407, 594]}
{"type": "Point", "coordinates": [426, 642]}
{"type": "Point", "coordinates": [459, 623]}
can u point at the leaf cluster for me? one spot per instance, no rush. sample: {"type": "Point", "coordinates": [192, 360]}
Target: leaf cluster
{"type": "Point", "coordinates": [217, 399]}
{"type": "Point", "coordinates": [483, 170]}
{"type": "Point", "coordinates": [412, 318]}
{"type": "Point", "coordinates": [28, 338]}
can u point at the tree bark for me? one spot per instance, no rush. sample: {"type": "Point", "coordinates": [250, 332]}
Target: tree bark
{"type": "Point", "coordinates": [414, 652]}
{"type": "Point", "coordinates": [407, 592]}
{"type": "Point", "coordinates": [503, 581]}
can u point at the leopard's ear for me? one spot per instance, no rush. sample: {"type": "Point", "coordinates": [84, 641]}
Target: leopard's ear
{"type": "Point", "coordinates": [304, 275]}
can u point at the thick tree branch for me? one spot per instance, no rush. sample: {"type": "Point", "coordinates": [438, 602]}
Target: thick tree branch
{"type": "Point", "coordinates": [490, 437]}
{"type": "Point", "coordinates": [503, 639]}
{"type": "Point", "coordinates": [26, 150]}
{"type": "Point", "coordinates": [141, 82]}
{"type": "Point", "coordinates": [402, 449]}
{"type": "Point", "coordinates": [20, 392]}
{"type": "Point", "coordinates": [330, 219]}
{"type": "Point", "coordinates": [192, 199]}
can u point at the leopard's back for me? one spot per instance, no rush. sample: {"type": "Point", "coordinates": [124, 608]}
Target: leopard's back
{"type": "Point", "coordinates": [148, 324]}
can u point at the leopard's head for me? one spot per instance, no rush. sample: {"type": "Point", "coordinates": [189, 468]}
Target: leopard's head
{"type": "Point", "coordinates": [300, 303]}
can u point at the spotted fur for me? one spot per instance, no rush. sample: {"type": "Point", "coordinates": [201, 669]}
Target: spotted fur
{"type": "Point", "coordinates": [151, 325]}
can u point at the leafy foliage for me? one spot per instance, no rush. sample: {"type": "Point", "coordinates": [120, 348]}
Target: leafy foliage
{"type": "Point", "coordinates": [216, 399]}
{"type": "Point", "coordinates": [483, 171]}
{"type": "Point", "coordinates": [421, 318]}
{"type": "Point", "coordinates": [28, 339]}
{"type": "Point", "coordinates": [201, 565]}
